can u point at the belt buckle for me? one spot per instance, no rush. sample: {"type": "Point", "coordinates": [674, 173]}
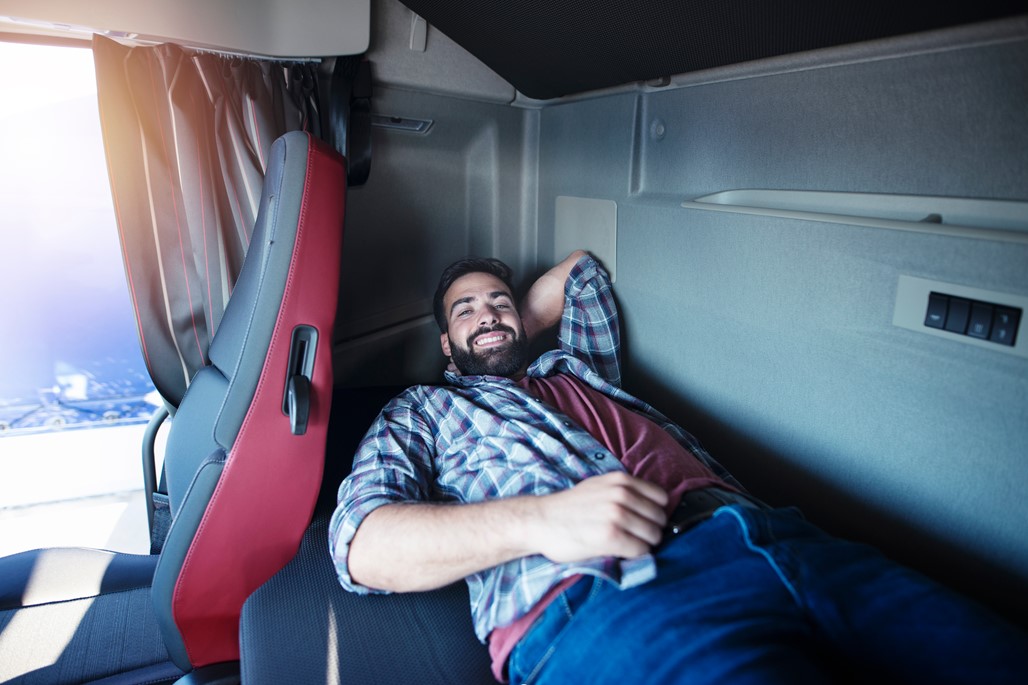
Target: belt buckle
{"type": "Point", "coordinates": [679, 527]}
{"type": "Point", "coordinates": [695, 506]}
{"type": "Point", "coordinates": [699, 505]}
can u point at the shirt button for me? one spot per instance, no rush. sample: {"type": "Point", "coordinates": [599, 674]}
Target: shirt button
{"type": "Point", "coordinates": [599, 456]}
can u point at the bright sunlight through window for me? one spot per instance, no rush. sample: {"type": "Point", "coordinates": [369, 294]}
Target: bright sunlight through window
{"type": "Point", "coordinates": [74, 393]}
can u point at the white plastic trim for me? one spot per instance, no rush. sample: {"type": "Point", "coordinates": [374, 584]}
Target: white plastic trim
{"type": "Point", "coordinates": [1002, 220]}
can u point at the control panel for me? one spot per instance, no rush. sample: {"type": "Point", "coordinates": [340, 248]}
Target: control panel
{"type": "Point", "coordinates": [982, 320]}
{"type": "Point", "coordinates": [961, 313]}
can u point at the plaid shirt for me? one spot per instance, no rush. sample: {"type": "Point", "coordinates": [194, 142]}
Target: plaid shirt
{"type": "Point", "coordinates": [483, 438]}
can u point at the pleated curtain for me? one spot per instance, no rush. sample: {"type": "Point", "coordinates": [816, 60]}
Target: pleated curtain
{"type": "Point", "coordinates": [186, 135]}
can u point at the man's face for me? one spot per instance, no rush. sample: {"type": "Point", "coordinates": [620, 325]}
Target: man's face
{"type": "Point", "coordinates": [485, 334]}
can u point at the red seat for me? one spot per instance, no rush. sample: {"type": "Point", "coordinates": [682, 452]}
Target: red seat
{"type": "Point", "coordinates": [243, 462]}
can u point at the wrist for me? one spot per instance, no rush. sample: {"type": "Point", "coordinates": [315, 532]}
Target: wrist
{"type": "Point", "coordinates": [525, 523]}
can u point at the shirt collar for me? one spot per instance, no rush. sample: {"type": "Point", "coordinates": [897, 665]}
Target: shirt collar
{"type": "Point", "coordinates": [546, 365]}
{"type": "Point", "coordinates": [473, 381]}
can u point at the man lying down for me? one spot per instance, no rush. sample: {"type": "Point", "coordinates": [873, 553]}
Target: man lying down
{"type": "Point", "coordinates": [599, 541]}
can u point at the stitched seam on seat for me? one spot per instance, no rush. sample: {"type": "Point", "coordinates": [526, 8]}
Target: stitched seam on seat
{"type": "Point", "coordinates": [261, 381]}
{"type": "Point", "coordinates": [76, 599]}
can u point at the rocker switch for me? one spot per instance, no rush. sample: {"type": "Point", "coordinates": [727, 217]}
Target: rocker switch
{"type": "Point", "coordinates": [959, 313]}
{"type": "Point", "coordinates": [1004, 325]}
{"type": "Point", "coordinates": [981, 321]}
{"type": "Point", "coordinates": [936, 315]}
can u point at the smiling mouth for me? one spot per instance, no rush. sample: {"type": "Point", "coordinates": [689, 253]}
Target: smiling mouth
{"type": "Point", "coordinates": [487, 339]}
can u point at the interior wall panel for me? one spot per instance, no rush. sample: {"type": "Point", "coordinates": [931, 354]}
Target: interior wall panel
{"type": "Point", "coordinates": [772, 339]}
{"type": "Point", "coordinates": [948, 123]}
{"type": "Point", "coordinates": [430, 199]}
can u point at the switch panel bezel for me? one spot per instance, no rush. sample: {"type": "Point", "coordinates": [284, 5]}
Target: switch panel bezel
{"type": "Point", "coordinates": [912, 296]}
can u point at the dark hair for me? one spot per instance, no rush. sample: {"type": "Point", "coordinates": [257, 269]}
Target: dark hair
{"type": "Point", "coordinates": [463, 267]}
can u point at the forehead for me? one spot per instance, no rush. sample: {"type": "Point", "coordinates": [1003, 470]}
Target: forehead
{"type": "Point", "coordinates": [475, 285]}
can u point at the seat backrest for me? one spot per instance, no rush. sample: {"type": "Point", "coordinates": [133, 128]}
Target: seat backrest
{"type": "Point", "coordinates": [245, 452]}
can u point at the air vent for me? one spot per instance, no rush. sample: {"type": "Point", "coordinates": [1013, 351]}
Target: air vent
{"type": "Point", "coordinates": [401, 123]}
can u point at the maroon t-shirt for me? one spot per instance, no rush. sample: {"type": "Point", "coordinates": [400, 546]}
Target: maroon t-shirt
{"type": "Point", "coordinates": [646, 450]}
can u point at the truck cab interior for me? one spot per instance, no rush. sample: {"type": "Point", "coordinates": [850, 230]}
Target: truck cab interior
{"type": "Point", "coordinates": [815, 216]}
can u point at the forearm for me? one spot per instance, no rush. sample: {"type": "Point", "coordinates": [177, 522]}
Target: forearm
{"type": "Point", "coordinates": [419, 546]}
{"type": "Point", "coordinates": [543, 305]}
{"type": "Point", "coordinates": [412, 547]}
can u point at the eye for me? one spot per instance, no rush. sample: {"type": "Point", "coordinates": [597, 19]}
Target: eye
{"type": "Point", "coordinates": [463, 313]}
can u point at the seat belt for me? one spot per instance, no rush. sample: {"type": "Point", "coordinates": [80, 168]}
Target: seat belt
{"type": "Point", "coordinates": [158, 506]}
{"type": "Point", "coordinates": [345, 88]}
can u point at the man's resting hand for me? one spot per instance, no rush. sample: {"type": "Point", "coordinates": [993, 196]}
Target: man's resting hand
{"type": "Point", "coordinates": [613, 515]}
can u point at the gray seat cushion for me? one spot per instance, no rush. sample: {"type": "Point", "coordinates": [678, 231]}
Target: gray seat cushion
{"type": "Point", "coordinates": [71, 615]}
{"type": "Point", "coordinates": [302, 627]}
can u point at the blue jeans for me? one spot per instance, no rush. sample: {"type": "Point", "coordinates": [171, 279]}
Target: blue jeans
{"type": "Point", "coordinates": [762, 596]}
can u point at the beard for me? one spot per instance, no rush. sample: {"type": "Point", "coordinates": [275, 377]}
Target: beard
{"type": "Point", "coordinates": [497, 361]}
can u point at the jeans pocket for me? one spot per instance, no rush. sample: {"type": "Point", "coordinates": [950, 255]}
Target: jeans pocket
{"type": "Point", "coordinates": [536, 646]}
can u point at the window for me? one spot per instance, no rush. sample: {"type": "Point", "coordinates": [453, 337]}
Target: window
{"type": "Point", "coordinates": [74, 392]}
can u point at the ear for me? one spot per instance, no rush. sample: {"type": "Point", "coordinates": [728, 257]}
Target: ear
{"type": "Point", "coordinates": [444, 342]}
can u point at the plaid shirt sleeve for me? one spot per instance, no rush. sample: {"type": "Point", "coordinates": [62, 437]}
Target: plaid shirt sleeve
{"type": "Point", "coordinates": [589, 327]}
{"type": "Point", "coordinates": [393, 464]}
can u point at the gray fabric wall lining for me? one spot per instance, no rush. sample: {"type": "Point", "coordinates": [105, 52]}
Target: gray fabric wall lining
{"type": "Point", "coordinates": [772, 338]}
{"type": "Point", "coordinates": [442, 67]}
{"type": "Point", "coordinates": [945, 123]}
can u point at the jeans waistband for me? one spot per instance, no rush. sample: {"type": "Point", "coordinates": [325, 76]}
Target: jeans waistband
{"type": "Point", "coordinates": [699, 505]}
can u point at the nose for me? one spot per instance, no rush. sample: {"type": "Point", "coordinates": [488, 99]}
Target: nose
{"type": "Point", "coordinates": [487, 317]}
